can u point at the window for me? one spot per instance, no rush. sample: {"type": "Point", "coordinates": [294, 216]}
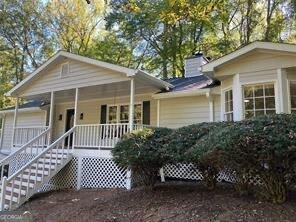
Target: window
{"type": "Point", "coordinates": [228, 105]}
{"type": "Point", "coordinates": [124, 114]}
{"type": "Point", "coordinates": [138, 114]}
{"type": "Point", "coordinates": [65, 70]}
{"type": "Point", "coordinates": [293, 96]}
{"type": "Point", "coordinates": [112, 114]}
{"type": "Point", "coordinates": [259, 100]}
{"type": "Point", "coordinates": [120, 114]}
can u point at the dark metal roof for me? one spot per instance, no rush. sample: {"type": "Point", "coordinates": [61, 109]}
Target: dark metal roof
{"type": "Point", "coordinates": [191, 83]}
{"type": "Point", "coordinates": [30, 104]}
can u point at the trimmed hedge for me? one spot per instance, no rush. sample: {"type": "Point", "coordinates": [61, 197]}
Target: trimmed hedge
{"type": "Point", "coordinates": [143, 151]}
{"type": "Point", "coordinates": [263, 147]}
{"type": "Point", "coordinates": [182, 148]}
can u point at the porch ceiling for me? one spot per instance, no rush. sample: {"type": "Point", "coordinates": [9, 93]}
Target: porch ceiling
{"type": "Point", "coordinates": [99, 91]}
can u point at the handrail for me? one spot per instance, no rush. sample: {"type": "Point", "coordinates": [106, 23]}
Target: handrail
{"type": "Point", "coordinates": [41, 154]}
{"type": "Point", "coordinates": [19, 150]}
{"type": "Point", "coordinates": [10, 181]}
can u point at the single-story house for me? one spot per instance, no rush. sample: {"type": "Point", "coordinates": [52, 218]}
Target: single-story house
{"type": "Point", "coordinates": [80, 107]}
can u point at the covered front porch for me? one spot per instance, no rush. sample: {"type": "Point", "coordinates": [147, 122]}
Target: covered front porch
{"type": "Point", "coordinates": [100, 115]}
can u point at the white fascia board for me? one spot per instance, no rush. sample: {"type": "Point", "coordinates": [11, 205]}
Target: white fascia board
{"type": "Point", "coordinates": [186, 93]}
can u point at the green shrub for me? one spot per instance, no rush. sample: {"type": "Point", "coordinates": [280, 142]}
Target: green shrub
{"type": "Point", "coordinates": [144, 153]}
{"type": "Point", "coordinates": [206, 159]}
{"type": "Point", "coordinates": [264, 147]}
{"type": "Point", "coordinates": [182, 139]}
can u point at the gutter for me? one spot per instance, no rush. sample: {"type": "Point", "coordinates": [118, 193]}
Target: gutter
{"type": "Point", "coordinates": [21, 110]}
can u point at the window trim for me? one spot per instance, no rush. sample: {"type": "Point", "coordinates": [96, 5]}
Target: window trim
{"type": "Point", "coordinates": [258, 84]}
{"type": "Point", "coordinates": [289, 96]}
{"type": "Point", "coordinates": [118, 105]}
{"type": "Point", "coordinates": [224, 101]}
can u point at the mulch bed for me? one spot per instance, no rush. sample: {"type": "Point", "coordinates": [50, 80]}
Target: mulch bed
{"type": "Point", "coordinates": [167, 202]}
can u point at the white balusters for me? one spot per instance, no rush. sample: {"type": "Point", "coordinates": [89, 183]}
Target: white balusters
{"type": "Point", "coordinates": [36, 171]}
{"type": "Point", "coordinates": [23, 135]}
{"type": "Point", "coordinates": [100, 135]}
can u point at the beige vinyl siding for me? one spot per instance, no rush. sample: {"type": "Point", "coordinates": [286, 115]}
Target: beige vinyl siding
{"type": "Point", "coordinates": [227, 83]}
{"type": "Point", "coordinates": [258, 77]}
{"type": "Point", "coordinates": [256, 62]}
{"type": "Point", "coordinates": [80, 75]}
{"type": "Point", "coordinates": [25, 119]}
{"type": "Point", "coordinates": [178, 112]}
{"type": "Point", "coordinates": [8, 129]}
{"type": "Point", "coordinates": [91, 110]}
{"type": "Point", "coordinates": [291, 74]}
{"type": "Point", "coordinates": [217, 108]}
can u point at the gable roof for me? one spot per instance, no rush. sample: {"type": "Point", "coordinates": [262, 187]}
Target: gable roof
{"type": "Point", "coordinates": [63, 54]}
{"type": "Point", "coordinates": [281, 47]}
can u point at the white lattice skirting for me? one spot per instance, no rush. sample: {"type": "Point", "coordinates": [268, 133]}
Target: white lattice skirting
{"type": "Point", "coordinates": [94, 172]}
{"type": "Point", "coordinates": [190, 172]}
{"type": "Point", "coordinates": [88, 172]}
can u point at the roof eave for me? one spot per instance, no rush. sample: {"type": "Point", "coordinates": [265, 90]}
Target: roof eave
{"type": "Point", "coordinates": [210, 67]}
{"type": "Point", "coordinates": [184, 93]}
{"type": "Point", "coordinates": [158, 82]}
{"type": "Point", "coordinates": [31, 109]}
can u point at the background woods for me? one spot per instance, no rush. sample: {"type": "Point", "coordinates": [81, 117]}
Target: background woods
{"type": "Point", "coordinates": [152, 35]}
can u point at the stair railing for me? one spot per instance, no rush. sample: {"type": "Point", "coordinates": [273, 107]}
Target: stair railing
{"type": "Point", "coordinates": [61, 147]}
{"type": "Point", "coordinates": [24, 154]}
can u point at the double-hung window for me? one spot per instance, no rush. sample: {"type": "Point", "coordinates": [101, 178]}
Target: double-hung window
{"type": "Point", "coordinates": [120, 114]}
{"type": "Point", "coordinates": [259, 100]}
{"type": "Point", "coordinates": [228, 105]}
{"type": "Point", "coordinates": [293, 96]}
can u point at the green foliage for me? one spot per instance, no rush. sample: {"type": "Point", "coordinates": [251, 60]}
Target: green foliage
{"type": "Point", "coordinates": [264, 147]}
{"type": "Point", "coordinates": [183, 139]}
{"type": "Point", "coordinates": [143, 152]}
{"type": "Point", "coordinates": [206, 160]}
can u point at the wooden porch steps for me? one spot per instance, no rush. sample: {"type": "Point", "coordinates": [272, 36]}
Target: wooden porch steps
{"type": "Point", "coordinates": [30, 178]}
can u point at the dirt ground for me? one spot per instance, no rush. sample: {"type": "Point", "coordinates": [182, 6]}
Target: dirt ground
{"type": "Point", "coordinates": [168, 202]}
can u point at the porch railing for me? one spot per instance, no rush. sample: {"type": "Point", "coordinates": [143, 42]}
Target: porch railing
{"type": "Point", "coordinates": [26, 152]}
{"type": "Point", "coordinates": [22, 135]}
{"type": "Point", "coordinates": [101, 135]}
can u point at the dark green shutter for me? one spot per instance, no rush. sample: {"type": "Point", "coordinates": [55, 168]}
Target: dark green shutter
{"type": "Point", "coordinates": [103, 114]}
{"type": "Point", "coordinates": [146, 112]}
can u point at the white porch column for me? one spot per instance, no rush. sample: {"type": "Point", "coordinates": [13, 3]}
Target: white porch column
{"type": "Point", "coordinates": [132, 102]}
{"type": "Point", "coordinates": [237, 99]}
{"type": "Point", "coordinates": [51, 116]}
{"type": "Point", "coordinates": [2, 130]}
{"type": "Point", "coordinates": [75, 116]}
{"type": "Point", "coordinates": [158, 113]}
{"type": "Point", "coordinates": [211, 107]}
{"type": "Point", "coordinates": [282, 92]}
{"type": "Point", "coordinates": [161, 171]}
{"type": "Point", "coordinates": [15, 120]}
{"type": "Point", "coordinates": [76, 107]}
